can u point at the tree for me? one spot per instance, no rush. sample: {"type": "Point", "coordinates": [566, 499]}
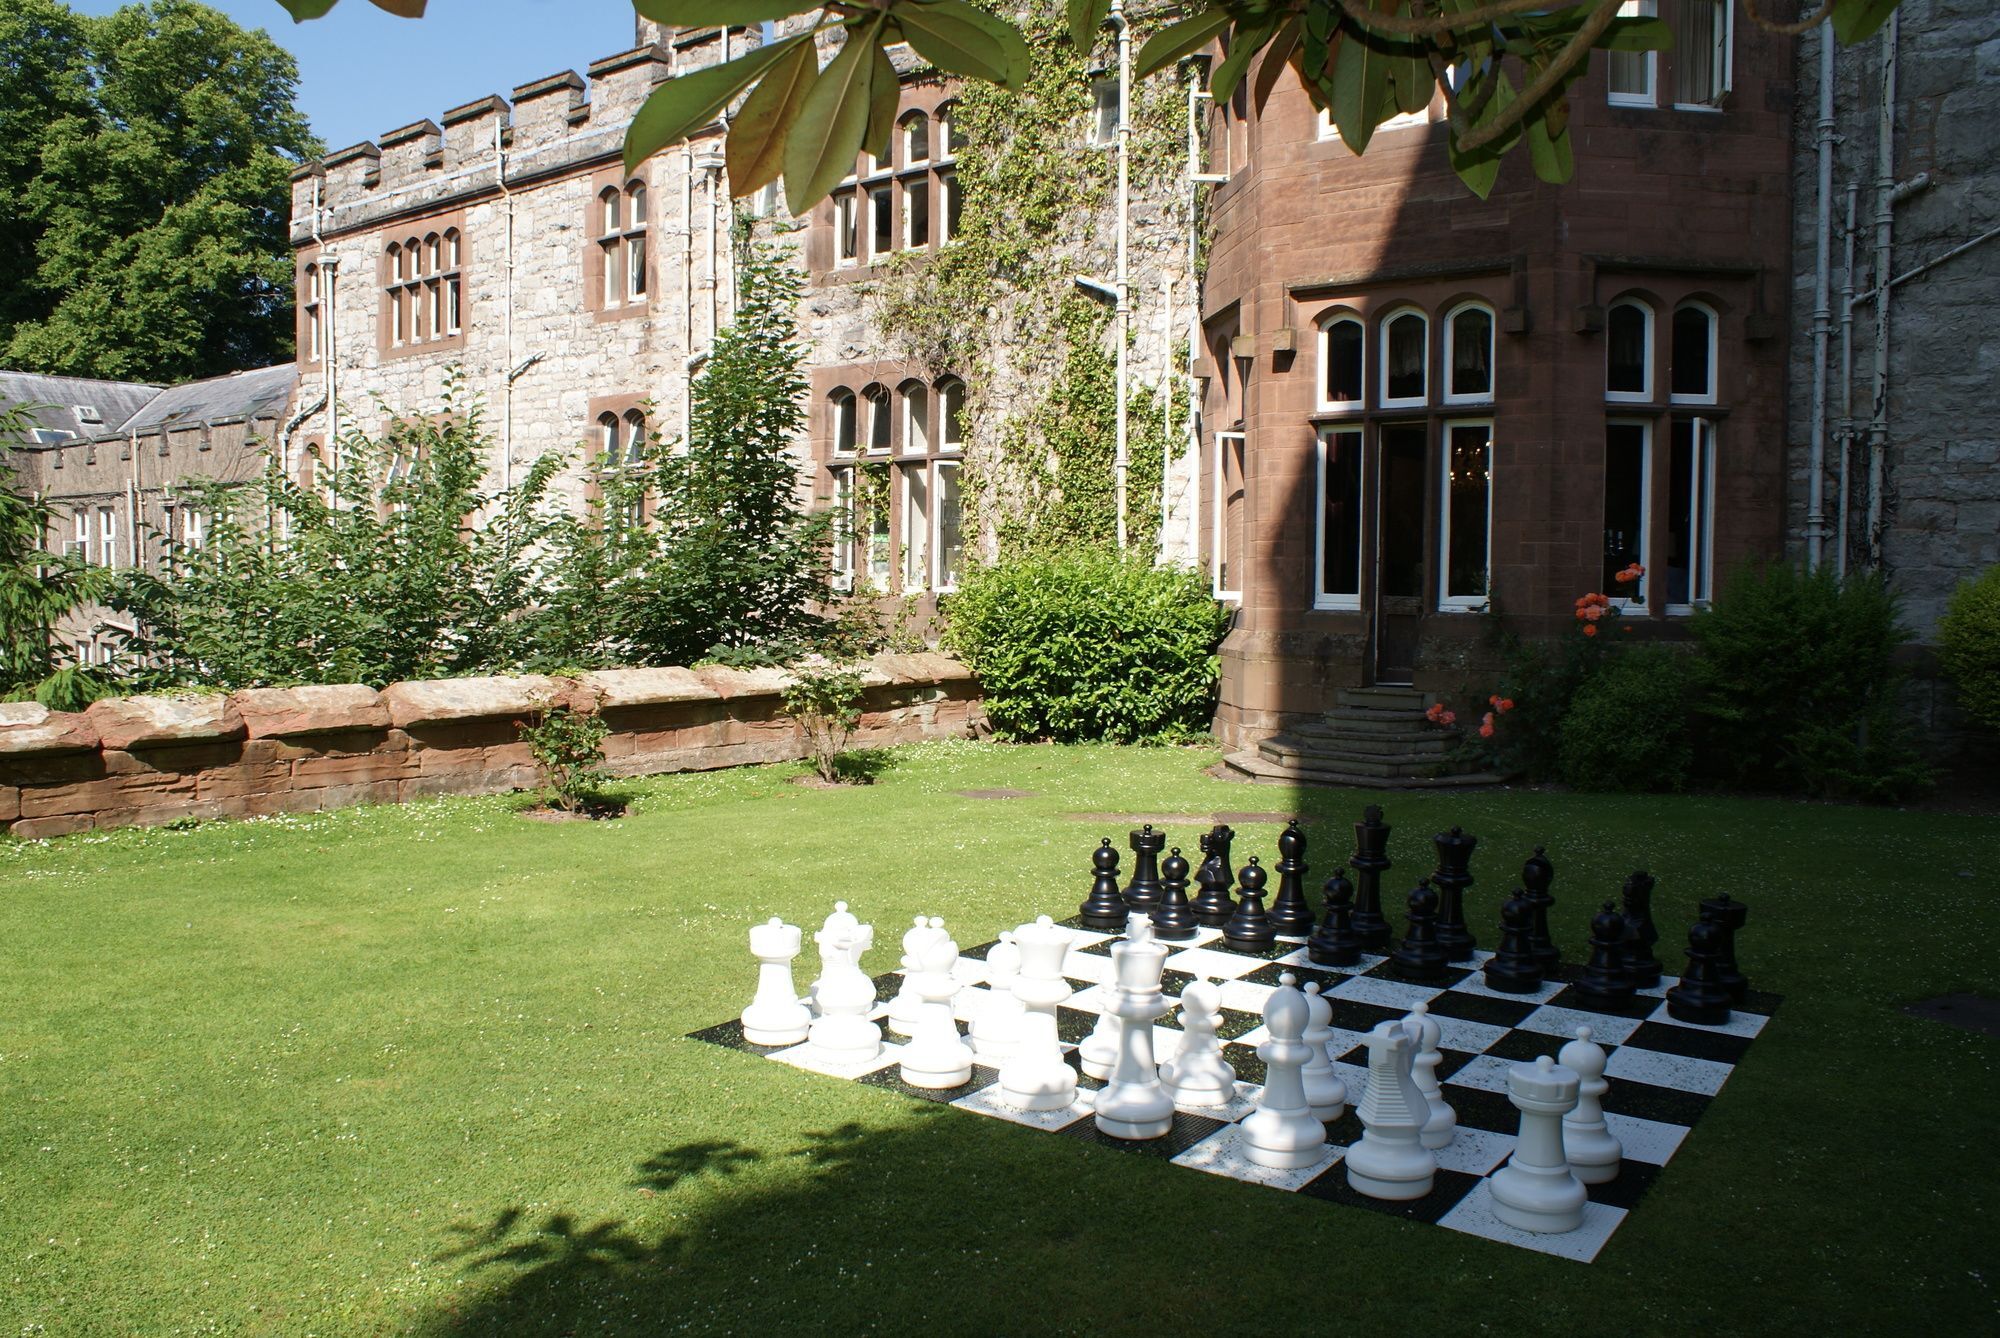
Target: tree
{"type": "Point", "coordinates": [37, 588]}
{"type": "Point", "coordinates": [1504, 68]}
{"type": "Point", "coordinates": [145, 165]}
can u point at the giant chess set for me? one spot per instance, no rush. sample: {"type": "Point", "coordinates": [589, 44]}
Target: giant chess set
{"type": "Point", "coordinates": [1508, 1094]}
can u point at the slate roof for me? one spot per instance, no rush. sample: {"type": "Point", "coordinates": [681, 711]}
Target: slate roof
{"type": "Point", "coordinates": [238, 395]}
{"type": "Point", "coordinates": [127, 407]}
{"type": "Point", "coordinates": [56, 399]}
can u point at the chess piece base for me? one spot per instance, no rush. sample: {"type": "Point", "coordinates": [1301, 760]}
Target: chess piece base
{"type": "Point", "coordinates": [1513, 982]}
{"type": "Point", "coordinates": [937, 1079]}
{"type": "Point", "coordinates": [1548, 1202]}
{"type": "Point", "coordinates": [778, 1035]}
{"type": "Point", "coordinates": [1136, 1131]}
{"type": "Point", "coordinates": [846, 1039]}
{"type": "Point", "coordinates": [1701, 1014]}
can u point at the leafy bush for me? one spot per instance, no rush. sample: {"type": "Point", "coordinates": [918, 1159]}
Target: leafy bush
{"type": "Point", "coordinates": [1627, 727]}
{"type": "Point", "coordinates": [824, 697]}
{"type": "Point", "coordinates": [1090, 645]}
{"type": "Point", "coordinates": [1797, 685]}
{"type": "Point", "coordinates": [37, 590]}
{"type": "Point", "coordinates": [568, 747]}
{"type": "Point", "coordinates": [1969, 646]}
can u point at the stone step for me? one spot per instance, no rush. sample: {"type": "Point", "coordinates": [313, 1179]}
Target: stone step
{"type": "Point", "coordinates": [1347, 761]}
{"type": "Point", "coordinates": [1376, 722]}
{"type": "Point", "coordinates": [1434, 744]}
{"type": "Point", "coordinates": [1394, 699]}
{"type": "Point", "coordinates": [1345, 732]}
{"type": "Point", "coordinates": [1250, 766]}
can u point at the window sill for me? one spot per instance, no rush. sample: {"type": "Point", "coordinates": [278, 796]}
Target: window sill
{"type": "Point", "coordinates": [623, 312]}
{"type": "Point", "coordinates": [448, 344]}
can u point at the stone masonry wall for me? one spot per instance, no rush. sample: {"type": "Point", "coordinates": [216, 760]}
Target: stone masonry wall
{"type": "Point", "coordinates": [145, 761]}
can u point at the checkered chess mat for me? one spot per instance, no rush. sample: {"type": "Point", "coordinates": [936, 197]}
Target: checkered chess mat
{"type": "Point", "coordinates": [1662, 1073]}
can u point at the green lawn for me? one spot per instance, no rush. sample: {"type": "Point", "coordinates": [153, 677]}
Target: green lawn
{"type": "Point", "coordinates": [422, 1070]}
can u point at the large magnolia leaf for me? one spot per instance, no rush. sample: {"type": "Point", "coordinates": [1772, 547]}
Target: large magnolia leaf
{"type": "Point", "coordinates": [1636, 34]}
{"type": "Point", "coordinates": [708, 13]}
{"type": "Point", "coordinates": [301, 10]}
{"type": "Point", "coordinates": [833, 119]}
{"type": "Point", "coordinates": [1168, 45]}
{"type": "Point", "coordinates": [1360, 87]}
{"type": "Point", "coordinates": [885, 96]}
{"type": "Point", "coordinates": [1284, 47]}
{"type": "Point", "coordinates": [1857, 20]}
{"type": "Point", "coordinates": [1086, 17]}
{"type": "Point", "coordinates": [1244, 43]}
{"type": "Point", "coordinates": [757, 137]}
{"type": "Point", "coordinates": [1549, 144]}
{"type": "Point", "coordinates": [686, 103]}
{"type": "Point", "coordinates": [948, 39]}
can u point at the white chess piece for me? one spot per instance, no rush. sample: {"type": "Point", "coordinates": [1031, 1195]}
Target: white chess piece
{"type": "Point", "coordinates": [1325, 1092]}
{"type": "Point", "coordinates": [1133, 1104]}
{"type": "Point", "coordinates": [1198, 1075]}
{"type": "Point", "coordinates": [775, 1016]}
{"type": "Point", "coordinates": [1037, 1078]}
{"type": "Point", "coordinates": [996, 1018]}
{"type": "Point", "coordinates": [1442, 1123]}
{"type": "Point", "coordinates": [1391, 1162]}
{"type": "Point", "coordinates": [937, 1056]}
{"type": "Point", "coordinates": [908, 1003]}
{"type": "Point", "coordinates": [833, 930]}
{"type": "Point", "coordinates": [1593, 1151]}
{"type": "Point", "coordinates": [1282, 1132]}
{"type": "Point", "coordinates": [845, 994]}
{"type": "Point", "coordinates": [1535, 1191]}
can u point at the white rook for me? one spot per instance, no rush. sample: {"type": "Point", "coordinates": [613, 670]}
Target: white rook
{"type": "Point", "coordinates": [775, 1016]}
{"type": "Point", "coordinates": [1535, 1191]}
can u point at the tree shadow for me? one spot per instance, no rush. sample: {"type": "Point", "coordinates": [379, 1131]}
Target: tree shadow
{"type": "Point", "coordinates": [861, 766]}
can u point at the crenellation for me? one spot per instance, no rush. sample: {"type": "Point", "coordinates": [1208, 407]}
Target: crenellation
{"type": "Point", "coordinates": [470, 130]}
{"type": "Point", "coordinates": [620, 83]}
{"type": "Point", "coordinates": [409, 152]}
{"type": "Point", "coordinates": [547, 109]}
{"type": "Point", "coordinates": [355, 168]}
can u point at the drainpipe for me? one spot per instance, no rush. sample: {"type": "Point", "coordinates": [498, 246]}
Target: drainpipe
{"type": "Point", "coordinates": [1885, 207]}
{"type": "Point", "coordinates": [1822, 311]}
{"type": "Point", "coordinates": [1845, 432]}
{"type": "Point", "coordinates": [1194, 181]}
{"type": "Point", "coordinates": [1122, 465]}
{"type": "Point", "coordinates": [329, 275]}
{"type": "Point", "coordinates": [687, 283]}
{"type": "Point", "coordinates": [507, 315]}
{"type": "Point", "coordinates": [1166, 410]}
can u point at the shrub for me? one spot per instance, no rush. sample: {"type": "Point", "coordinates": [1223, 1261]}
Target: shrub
{"type": "Point", "coordinates": [568, 747]}
{"type": "Point", "coordinates": [824, 697]}
{"type": "Point", "coordinates": [1797, 685]}
{"type": "Point", "coordinates": [1090, 645]}
{"type": "Point", "coordinates": [1969, 646]}
{"type": "Point", "coordinates": [1627, 727]}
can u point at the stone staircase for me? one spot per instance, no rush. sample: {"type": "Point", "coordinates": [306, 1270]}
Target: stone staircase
{"type": "Point", "coordinates": [1374, 738]}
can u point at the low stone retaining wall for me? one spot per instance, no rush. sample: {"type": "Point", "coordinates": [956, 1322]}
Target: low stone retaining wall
{"type": "Point", "coordinates": [148, 760]}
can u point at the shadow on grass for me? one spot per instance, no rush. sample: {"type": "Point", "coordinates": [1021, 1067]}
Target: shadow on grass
{"type": "Point", "coordinates": [861, 766]}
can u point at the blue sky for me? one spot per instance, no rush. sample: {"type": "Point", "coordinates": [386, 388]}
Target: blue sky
{"type": "Point", "coordinates": [362, 71]}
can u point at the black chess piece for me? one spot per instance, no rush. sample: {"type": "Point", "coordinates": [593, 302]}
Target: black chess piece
{"type": "Point", "coordinates": [1453, 876]}
{"type": "Point", "coordinates": [1291, 913]}
{"type": "Point", "coordinates": [1515, 969]}
{"type": "Point", "coordinates": [1249, 930]}
{"type": "Point", "coordinates": [1104, 908]}
{"type": "Point", "coordinates": [1173, 917]}
{"type": "Point", "coordinates": [1212, 905]}
{"type": "Point", "coordinates": [1220, 837]}
{"type": "Point", "coordinates": [1641, 967]}
{"type": "Point", "coordinates": [1729, 916]}
{"type": "Point", "coordinates": [1143, 892]}
{"type": "Point", "coordinates": [1370, 862]}
{"type": "Point", "coordinates": [1537, 876]}
{"type": "Point", "coordinates": [1335, 942]}
{"type": "Point", "coordinates": [1700, 997]}
{"type": "Point", "coordinates": [1420, 952]}
{"type": "Point", "coordinates": [1604, 983]}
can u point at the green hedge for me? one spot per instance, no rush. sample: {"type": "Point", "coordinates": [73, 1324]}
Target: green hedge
{"type": "Point", "coordinates": [1627, 726]}
{"type": "Point", "coordinates": [1969, 646]}
{"type": "Point", "coordinates": [1089, 645]}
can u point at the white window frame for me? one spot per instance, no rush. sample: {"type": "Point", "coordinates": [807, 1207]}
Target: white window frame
{"type": "Point", "coordinates": [845, 407]}
{"type": "Point", "coordinates": [1714, 353]}
{"type": "Point", "coordinates": [1219, 512]}
{"type": "Point", "coordinates": [194, 525]}
{"type": "Point", "coordinates": [847, 228]}
{"type": "Point", "coordinates": [904, 127]}
{"type": "Point", "coordinates": [107, 536]}
{"type": "Point", "coordinates": [1400, 121]}
{"type": "Point", "coordinates": [913, 405]}
{"type": "Point", "coordinates": [844, 538]}
{"type": "Point", "coordinates": [948, 189]}
{"type": "Point", "coordinates": [917, 547]}
{"type": "Point", "coordinates": [918, 183]}
{"type": "Point", "coordinates": [946, 390]}
{"type": "Point", "coordinates": [1445, 361]}
{"type": "Point", "coordinates": [1382, 396]}
{"type": "Point", "coordinates": [881, 408]}
{"type": "Point", "coordinates": [1702, 522]}
{"type": "Point", "coordinates": [1104, 110]}
{"type": "Point", "coordinates": [945, 582]}
{"type": "Point", "coordinates": [1649, 61]}
{"type": "Point", "coordinates": [1324, 599]}
{"type": "Point", "coordinates": [1446, 601]}
{"type": "Point", "coordinates": [1644, 603]}
{"type": "Point", "coordinates": [1643, 395]}
{"type": "Point", "coordinates": [1342, 317]}
{"type": "Point", "coordinates": [1722, 56]}
{"type": "Point", "coordinates": [881, 197]}
{"type": "Point", "coordinates": [80, 544]}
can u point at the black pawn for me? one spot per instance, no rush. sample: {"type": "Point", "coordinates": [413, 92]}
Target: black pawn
{"type": "Point", "coordinates": [1335, 943]}
{"type": "Point", "coordinates": [1173, 918]}
{"type": "Point", "coordinates": [1370, 862]}
{"type": "Point", "coordinates": [1604, 983]}
{"type": "Point", "coordinates": [1143, 892]}
{"type": "Point", "coordinates": [1514, 969]}
{"type": "Point", "coordinates": [1249, 930]}
{"type": "Point", "coordinates": [1291, 913]}
{"type": "Point", "coordinates": [1537, 875]}
{"type": "Point", "coordinates": [1212, 906]}
{"type": "Point", "coordinates": [1729, 916]}
{"type": "Point", "coordinates": [1104, 908]}
{"type": "Point", "coordinates": [1420, 952]}
{"type": "Point", "coordinates": [1642, 968]}
{"type": "Point", "coordinates": [1700, 997]}
{"type": "Point", "coordinates": [1453, 876]}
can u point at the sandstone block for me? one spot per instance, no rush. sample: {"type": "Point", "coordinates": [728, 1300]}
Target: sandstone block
{"type": "Point", "coordinates": [326, 798]}
{"type": "Point", "coordinates": [352, 768]}
{"type": "Point", "coordinates": [113, 792]}
{"type": "Point", "coordinates": [149, 722]}
{"type": "Point", "coordinates": [41, 829]}
{"type": "Point", "coordinates": [647, 687]}
{"type": "Point", "coordinates": [240, 782]}
{"type": "Point", "coordinates": [26, 727]}
{"type": "Point", "coordinates": [289, 712]}
{"type": "Point", "coordinates": [10, 803]}
{"type": "Point", "coordinates": [509, 697]}
{"type": "Point", "coordinates": [735, 684]}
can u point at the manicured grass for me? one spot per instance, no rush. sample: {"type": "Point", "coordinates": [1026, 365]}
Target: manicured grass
{"type": "Point", "coordinates": [424, 1070]}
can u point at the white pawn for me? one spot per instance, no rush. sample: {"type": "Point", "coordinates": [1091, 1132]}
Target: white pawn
{"type": "Point", "coordinates": [1442, 1122]}
{"type": "Point", "coordinates": [775, 1016]}
{"type": "Point", "coordinates": [1593, 1151]}
{"type": "Point", "coordinates": [996, 1018]}
{"type": "Point", "coordinates": [1535, 1191]}
{"type": "Point", "coordinates": [937, 1056]}
{"type": "Point", "coordinates": [903, 1009]}
{"type": "Point", "coordinates": [1391, 1161]}
{"type": "Point", "coordinates": [1325, 1092]}
{"type": "Point", "coordinates": [845, 995]}
{"type": "Point", "coordinates": [1037, 1078]}
{"type": "Point", "coordinates": [1282, 1132]}
{"type": "Point", "coordinates": [1198, 1075]}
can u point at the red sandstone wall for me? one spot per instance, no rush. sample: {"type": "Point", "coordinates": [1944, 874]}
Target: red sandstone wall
{"type": "Point", "coordinates": [140, 761]}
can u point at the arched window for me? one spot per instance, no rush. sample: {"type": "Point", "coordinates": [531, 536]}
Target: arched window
{"type": "Point", "coordinates": [621, 244]}
{"type": "Point", "coordinates": [1468, 354]}
{"type": "Point", "coordinates": [309, 314]}
{"type": "Point", "coordinates": [611, 212]}
{"type": "Point", "coordinates": [878, 419]}
{"type": "Point", "coordinates": [448, 281]}
{"type": "Point", "coordinates": [635, 437]}
{"type": "Point", "coordinates": [399, 331]}
{"type": "Point", "coordinates": [1628, 351]}
{"type": "Point", "coordinates": [1342, 377]}
{"type": "Point", "coordinates": [916, 139]}
{"type": "Point", "coordinates": [1405, 358]}
{"type": "Point", "coordinates": [950, 138]}
{"type": "Point", "coordinates": [915, 398]}
{"type": "Point", "coordinates": [635, 241]}
{"type": "Point", "coordinates": [607, 440]}
{"type": "Point", "coordinates": [845, 430]}
{"type": "Point", "coordinates": [951, 414]}
{"type": "Point", "coordinates": [1693, 375]}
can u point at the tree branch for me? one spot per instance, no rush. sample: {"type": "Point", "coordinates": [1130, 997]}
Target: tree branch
{"type": "Point", "coordinates": [1552, 74]}
{"type": "Point", "coordinates": [1789, 29]}
{"type": "Point", "coordinates": [1398, 26]}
